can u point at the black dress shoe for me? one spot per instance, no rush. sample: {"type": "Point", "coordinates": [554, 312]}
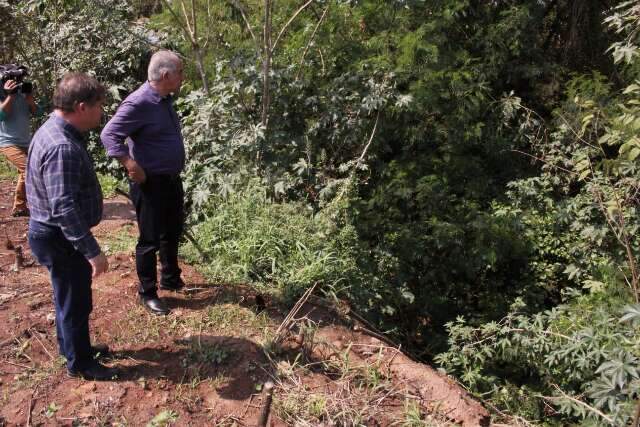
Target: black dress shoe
{"type": "Point", "coordinates": [94, 371]}
{"type": "Point", "coordinates": [20, 212]}
{"type": "Point", "coordinates": [100, 350]}
{"type": "Point", "coordinates": [97, 351]}
{"type": "Point", "coordinates": [155, 305]}
{"type": "Point", "coordinates": [174, 287]}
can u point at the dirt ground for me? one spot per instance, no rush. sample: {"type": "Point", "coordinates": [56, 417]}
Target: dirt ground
{"type": "Point", "coordinates": [205, 363]}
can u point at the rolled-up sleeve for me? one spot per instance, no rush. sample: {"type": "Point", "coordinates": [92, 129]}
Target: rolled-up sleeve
{"type": "Point", "coordinates": [123, 124]}
{"type": "Point", "coordinates": [62, 174]}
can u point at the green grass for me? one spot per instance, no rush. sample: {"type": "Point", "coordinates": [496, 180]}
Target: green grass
{"type": "Point", "coordinates": [108, 184]}
{"type": "Point", "coordinates": [281, 246]}
{"type": "Point", "coordinates": [121, 241]}
{"type": "Point", "coordinates": [7, 170]}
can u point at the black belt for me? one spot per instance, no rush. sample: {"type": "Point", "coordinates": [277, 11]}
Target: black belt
{"type": "Point", "coordinates": [163, 177]}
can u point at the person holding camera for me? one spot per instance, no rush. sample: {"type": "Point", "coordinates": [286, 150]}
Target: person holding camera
{"type": "Point", "coordinates": [16, 107]}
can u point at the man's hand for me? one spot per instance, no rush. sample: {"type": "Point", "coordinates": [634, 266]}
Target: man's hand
{"type": "Point", "coordinates": [10, 86]}
{"type": "Point", "coordinates": [135, 172]}
{"type": "Point", "coordinates": [99, 264]}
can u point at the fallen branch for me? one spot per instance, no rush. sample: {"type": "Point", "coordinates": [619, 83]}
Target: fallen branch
{"type": "Point", "coordinates": [31, 405]}
{"type": "Point", "coordinates": [35, 334]}
{"type": "Point", "coordinates": [368, 328]}
{"type": "Point", "coordinates": [266, 408]}
{"type": "Point", "coordinates": [578, 402]}
{"type": "Point", "coordinates": [287, 322]}
{"type": "Point", "coordinates": [18, 365]}
{"type": "Point", "coordinates": [13, 338]}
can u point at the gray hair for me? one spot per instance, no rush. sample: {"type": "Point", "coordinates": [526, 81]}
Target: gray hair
{"type": "Point", "coordinates": [163, 61]}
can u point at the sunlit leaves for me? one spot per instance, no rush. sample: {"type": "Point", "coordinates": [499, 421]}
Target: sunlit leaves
{"type": "Point", "coordinates": [631, 314]}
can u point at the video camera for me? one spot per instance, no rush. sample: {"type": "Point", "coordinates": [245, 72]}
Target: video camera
{"type": "Point", "coordinates": [16, 73]}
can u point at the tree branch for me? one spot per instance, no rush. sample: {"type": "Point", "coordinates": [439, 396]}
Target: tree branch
{"type": "Point", "coordinates": [240, 8]}
{"type": "Point", "coordinates": [284, 28]}
{"type": "Point", "coordinates": [577, 401]}
{"type": "Point", "coordinates": [313, 35]}
{"type": "Point", "coordinates": [373, 133]}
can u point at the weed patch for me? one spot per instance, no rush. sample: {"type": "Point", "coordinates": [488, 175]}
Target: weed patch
{"type": "Point", "coordinates": [283, 246]}
{"type": "Point", "coordinates": [7, 170]}
{"type": "Point", "coordinates": [121, 241]}
{"type": "Point", "coordinates": [109, 184]}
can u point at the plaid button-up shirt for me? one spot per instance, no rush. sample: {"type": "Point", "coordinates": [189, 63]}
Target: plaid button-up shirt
{"type": "Point", "coordinates": [62, 186]}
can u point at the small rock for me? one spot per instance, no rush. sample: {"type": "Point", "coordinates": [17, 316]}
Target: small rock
{"type": "Point", "coordinates": [51, 318]}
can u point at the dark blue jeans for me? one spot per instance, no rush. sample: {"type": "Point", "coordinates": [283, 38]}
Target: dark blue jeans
{"type": "Point", "coordinates": [71, 280]}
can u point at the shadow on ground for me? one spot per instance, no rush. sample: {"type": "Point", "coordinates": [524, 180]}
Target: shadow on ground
{"type": "Point", "coordinates": [231, 361]}
{"type": "Point", "coordinates": [199, 296]}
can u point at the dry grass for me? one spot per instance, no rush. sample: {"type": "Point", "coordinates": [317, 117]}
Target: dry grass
{"type": "Point", "coordinates": [321, 384]}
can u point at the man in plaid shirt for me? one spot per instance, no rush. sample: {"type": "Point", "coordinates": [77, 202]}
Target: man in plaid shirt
{"type": "Point", "coordinates": [66, 201]}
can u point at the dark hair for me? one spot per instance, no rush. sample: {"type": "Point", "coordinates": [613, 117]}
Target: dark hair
{"type": "Point", "coordinates": [75, 88]}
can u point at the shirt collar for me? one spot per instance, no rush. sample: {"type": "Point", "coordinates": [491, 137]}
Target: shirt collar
{"type": "Point", "coordinates": [153, 94]}
{"type": "Point", "coordinates": [59, 121]}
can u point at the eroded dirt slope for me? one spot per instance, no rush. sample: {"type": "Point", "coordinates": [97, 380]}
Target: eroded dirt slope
{"type": "Point", "coordinates": [205, 364]}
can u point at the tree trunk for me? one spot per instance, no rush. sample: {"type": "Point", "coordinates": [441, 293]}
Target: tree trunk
{"type": "Point", "coordinates": [266, 63]}
{"type": "Point", "coordinates": [200, 64]}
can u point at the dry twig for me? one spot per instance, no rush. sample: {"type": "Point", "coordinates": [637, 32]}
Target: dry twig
{"type": "Point", "coordinates": [31, 404]}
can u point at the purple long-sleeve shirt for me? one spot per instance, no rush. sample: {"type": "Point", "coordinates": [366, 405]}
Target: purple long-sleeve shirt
{"type": "Point", "coordinates": [151, 127]}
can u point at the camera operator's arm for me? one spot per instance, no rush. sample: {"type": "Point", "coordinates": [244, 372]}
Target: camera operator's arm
{"type": "Point", "coordinates": [7, 104]}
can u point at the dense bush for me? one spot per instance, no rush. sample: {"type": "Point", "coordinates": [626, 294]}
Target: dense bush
{"type": "Point", "coordinates": [578, 360]}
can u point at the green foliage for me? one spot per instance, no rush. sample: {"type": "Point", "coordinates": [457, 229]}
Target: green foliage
{"type": "Point", "coordinates": [575, 349]}
{"type": "Point", "coordinates": [581, 356]}
{"type": "Point", "coordinates": [209, 354]}
{"type": "Point", "coordinates": [122, 241]}
{"type": "Point", "coordinates": [51, 410]}
{"type": "Point", "coordinates": [109, 184]}
{"type": "Point", "coordinates": [59, 36]}
{"type": "Point", "coordinates": [282, 245]}
{"type": "Point", "coordinates": [7, 171]}
{"type": "Point", "coordinates": [53, 37]}
{"type": "Point", "coordinates": [391, 172]}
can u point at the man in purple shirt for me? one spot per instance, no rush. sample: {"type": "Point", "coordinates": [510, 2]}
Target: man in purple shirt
{"type": "Point", "coordinates": [66, 201]}
{"type": "Point", "coordinates": [153, 157]}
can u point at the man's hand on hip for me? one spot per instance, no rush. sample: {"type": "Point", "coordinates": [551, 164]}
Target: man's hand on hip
{"type": "Point", "coordinates": [99, 264]}
{"type": "Point", "coordinates": [135, 172]}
